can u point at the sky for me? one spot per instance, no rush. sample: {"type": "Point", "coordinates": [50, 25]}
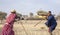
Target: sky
{"type": "Point", "coordinates": [27, 6]}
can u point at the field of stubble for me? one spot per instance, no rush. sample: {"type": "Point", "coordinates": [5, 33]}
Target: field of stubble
{"type": "Point", "coordinates": [29, 28]}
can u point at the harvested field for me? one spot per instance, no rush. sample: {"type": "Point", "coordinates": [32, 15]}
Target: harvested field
{"type": "Point", "coordinates": [40, 29]}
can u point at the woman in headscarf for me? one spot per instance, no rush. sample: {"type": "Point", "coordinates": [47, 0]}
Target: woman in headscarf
{"type": "Point", "coordinates": [8, 26]}
{"type": "Point", "coordinates": [51, 22]}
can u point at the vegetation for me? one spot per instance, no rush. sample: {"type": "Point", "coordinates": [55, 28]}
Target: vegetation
{"type": "Point", "coordinates": [18, 14]}
{"type": "Point", "coordinates": [31, 14]}
{"type": "Point", "coordinates": [58, 17]}
{"type": "Point", "coordinates": [41, 12]}
{"type": "Point", "coordinates": [2, 15]}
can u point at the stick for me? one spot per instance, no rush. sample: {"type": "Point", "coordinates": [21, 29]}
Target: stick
{"type": "Point", "coordinates": [37, 23]}
{"type": "Point", "coordinates": [24, 28]}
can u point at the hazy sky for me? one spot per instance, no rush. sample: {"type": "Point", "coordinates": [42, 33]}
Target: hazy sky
{"type": "Point", "coordinates": [27, 6]}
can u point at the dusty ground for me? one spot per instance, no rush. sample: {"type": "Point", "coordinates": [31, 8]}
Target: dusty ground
{"type": "Point", "coordinates": [40, 29]}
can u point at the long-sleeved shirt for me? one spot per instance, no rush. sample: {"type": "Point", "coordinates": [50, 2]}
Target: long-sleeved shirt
{"type": "Point", "coordinates": [11, 18]}
{"type": "Point", "coordinates": [51, 21]}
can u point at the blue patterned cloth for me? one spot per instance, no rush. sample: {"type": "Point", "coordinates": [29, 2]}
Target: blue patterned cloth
{"type": "Point", "coordinates": [51, 23]}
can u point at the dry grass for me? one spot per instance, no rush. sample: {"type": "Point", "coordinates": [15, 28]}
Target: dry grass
{"type": "Point", "coordinates": [40, 29]}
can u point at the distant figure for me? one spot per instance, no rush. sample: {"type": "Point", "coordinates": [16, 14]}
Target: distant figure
{"type": "Point", "coordinates": [51, 22]}
{"type": "Point", "coordinates": [8, 26]}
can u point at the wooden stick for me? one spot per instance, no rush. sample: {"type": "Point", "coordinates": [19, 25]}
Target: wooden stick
{"type": "Point", "coordinates": [37, 23]}
{"type": "Point", "coordinates": [24, 28]}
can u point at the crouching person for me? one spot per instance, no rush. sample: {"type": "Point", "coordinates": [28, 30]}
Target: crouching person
{"type": "Point", "coordinates": [51, 22]}
{"type": "Point", "coordinates": [8, 26]}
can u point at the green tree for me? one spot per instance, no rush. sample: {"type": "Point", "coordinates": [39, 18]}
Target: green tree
{"type": "Point", "coordinates": [18, 14]}
{"type": "Point", "coordinates": [41, 12]}
{"type": "Point", "coordinates": [58, 17]}
{"type": "Point", "coordinates": [2, 15]}
{"type": "Point", "coordinates": [31, 14]}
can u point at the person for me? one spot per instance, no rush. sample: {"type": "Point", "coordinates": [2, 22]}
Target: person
{"type": "Point", "coordinates": [8, 26]}
{"type": "Point", "coordinates": [51, 22]}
